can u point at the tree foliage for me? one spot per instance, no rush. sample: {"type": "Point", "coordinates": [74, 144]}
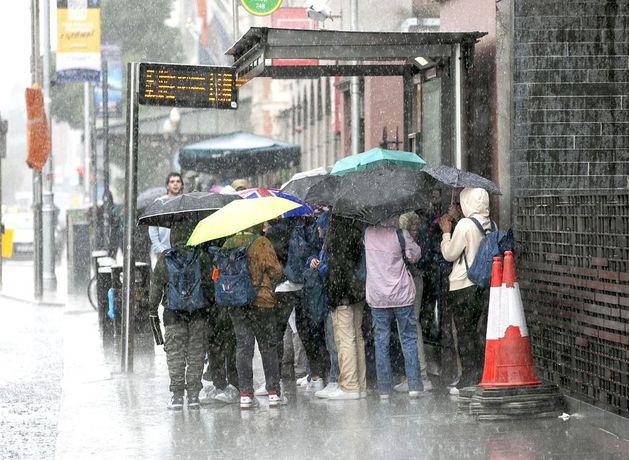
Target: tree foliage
{"type": "Point", "coordinates": [139, 28]}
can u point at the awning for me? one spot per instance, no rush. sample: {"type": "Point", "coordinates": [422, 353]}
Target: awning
{"type": "Point", "coordinates": [239, 154]}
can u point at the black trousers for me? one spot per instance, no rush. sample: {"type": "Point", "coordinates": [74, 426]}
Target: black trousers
{"type": "Point", "coordinates": [253, 324]}
{"type": "Point", "coordinates": [285, 302]}
{"type": "Point", "coordinates": [221, 348]}
{"type": "Point", "coordinates": [311, 331]}
{"type": "Point", "coordinates": [466, 307]}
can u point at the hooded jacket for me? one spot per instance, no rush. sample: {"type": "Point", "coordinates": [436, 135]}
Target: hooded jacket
{"type": "Point", "coordinates": [389, 283]}
{"type": "Point", "coordinates": [264, 267]}
{"type": "Point", "coordinates": [179, 234]}
{"type": "Point", "coordinates": [466, 236]}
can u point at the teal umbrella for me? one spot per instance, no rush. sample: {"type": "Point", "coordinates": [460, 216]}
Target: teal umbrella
{"type": "Point", "coordinates": [375, 157]}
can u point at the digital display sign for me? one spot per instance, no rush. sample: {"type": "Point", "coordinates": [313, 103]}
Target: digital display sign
{"type": "Point", "coordinates": [197, 86]}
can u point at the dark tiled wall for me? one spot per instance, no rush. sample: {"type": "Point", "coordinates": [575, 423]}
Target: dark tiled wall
{"type": "Point", "coordinates": [570, 162]}
{"type": "Point", "coordinates": [571, 90]}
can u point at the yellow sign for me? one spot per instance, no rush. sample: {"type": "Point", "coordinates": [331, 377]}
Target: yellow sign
{"type": "Point", "coordinates": [78, 31]}
{"type": "Point", "coordinates": [7, 243]}
{"type": "Point", "coordinates": [78, 40]}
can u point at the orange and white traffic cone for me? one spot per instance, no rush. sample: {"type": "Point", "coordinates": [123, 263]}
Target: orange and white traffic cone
{"type": "Point", "coordinates": [508, 357]}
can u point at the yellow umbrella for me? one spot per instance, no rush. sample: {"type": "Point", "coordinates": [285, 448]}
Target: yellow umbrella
{"type": "Point", "coordinates": [239, 215]}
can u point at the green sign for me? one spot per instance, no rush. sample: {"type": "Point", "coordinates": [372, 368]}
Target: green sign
{"type": "Point", "coordinates": [261, 7]}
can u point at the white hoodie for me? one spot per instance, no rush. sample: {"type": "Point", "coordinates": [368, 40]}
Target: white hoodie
{"type": "Point", "coordinates": [466, 236]}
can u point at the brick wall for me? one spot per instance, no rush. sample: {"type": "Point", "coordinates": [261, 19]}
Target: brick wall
{"type": "Point", "coordinates": [570, 161]}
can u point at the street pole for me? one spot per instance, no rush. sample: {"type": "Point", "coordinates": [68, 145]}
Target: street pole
{"type": "Point", "coordinates": [130, 197]}
{"type": "Point", "coordinates": [107, 199]}
{"type": "Point", "coordinates": [235, 19]}
{"type": "Point", "coordinates": [48, 209]}
{"type": "Point", "coordinates": [87, 141]}
{"type": "Point", "coordinates": [4, 128]}
{"type": "Point", "coordinates": [37, 175]}
{"type": "Point", "coordinates": [354, 90]}
{"type": "Point", "coordinates": [96, 241]}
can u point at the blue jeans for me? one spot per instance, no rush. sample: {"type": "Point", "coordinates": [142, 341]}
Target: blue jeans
{"type": "Point", "coordinates": [333, 375]}
{"type": "Point", "coordinates": [407, 327]}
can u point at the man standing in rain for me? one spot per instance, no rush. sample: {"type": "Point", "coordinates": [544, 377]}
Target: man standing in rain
{"type": "Point", "coordinates": [346, 295]}
{"type": "Point", "coordinates": [465, 301]}
{"type": "Point", "coordinates": [185, 316]}
{"type": "Point", "coordinates": [390, 293]}
{"type": "Point", "coordinates": [160, 236]}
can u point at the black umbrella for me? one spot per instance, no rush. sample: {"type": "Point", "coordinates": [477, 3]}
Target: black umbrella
{"type": "Point", "coordinates": [299, 187]}
{"type": "Point", "coordinates": [373, 195]}
{"type": "Point", "coordinates": [149, 195]}
{"type": "Point", "coordinates": [454, 177]}
{"type": "Point", "coordinates": [193, 206]}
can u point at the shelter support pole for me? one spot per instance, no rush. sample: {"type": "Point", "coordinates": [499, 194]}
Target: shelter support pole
{"type": "Point", "coordinates": [130, 198]}
{"type": "Point", "coordinates": [354, 91]}
{"type": "Point", "coordinates": [408, 105]}
{"type": "Point", "coordinates": [460, 160]}
{"type": "Point", "coordinates": [107, 201]}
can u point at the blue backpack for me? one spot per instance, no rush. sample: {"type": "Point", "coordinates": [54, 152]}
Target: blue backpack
{"type": "Point", "coordinates": [494, 243]}
{"type": "Point", "coordinates": [184, 291]}
{"type": "Point", "coordinates": [299, 248]}
{"type": "Point", "coordinates": [233, 286]}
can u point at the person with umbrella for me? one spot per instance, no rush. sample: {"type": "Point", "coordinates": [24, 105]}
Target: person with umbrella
{"type": "Point", "coordinates": [391, 293]}
{"type": "Point", "coordinates": [160, 236]}
{"type": "Point", "coordinates": [465, 302]}
{"type": "Point", "coordinates": [177, 283]}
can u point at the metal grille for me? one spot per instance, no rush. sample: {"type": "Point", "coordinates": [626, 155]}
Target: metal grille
{"type": "Point", "coordinates": [572, 261]}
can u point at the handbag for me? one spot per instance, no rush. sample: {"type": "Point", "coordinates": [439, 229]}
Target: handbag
{"type": "Point", "coordinates": [412, 268]}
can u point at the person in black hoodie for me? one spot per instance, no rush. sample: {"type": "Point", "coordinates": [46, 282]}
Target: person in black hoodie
{"type": "Point", "coordinates": [346, 295]}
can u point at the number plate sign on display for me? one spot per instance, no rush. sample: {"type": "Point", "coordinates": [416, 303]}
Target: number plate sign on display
{"type": "Point", "coordinates": [261, 7]}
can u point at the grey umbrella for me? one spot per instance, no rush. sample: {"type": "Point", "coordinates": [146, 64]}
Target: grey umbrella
{"type": "Point", "coordinates": [193, 206]}
{"type": "Point", "coordinates": [454, 177]}
{"type": "Point", "coordinates": [373, 195]}
{"type": "Point", "coordinates": [149, 195]}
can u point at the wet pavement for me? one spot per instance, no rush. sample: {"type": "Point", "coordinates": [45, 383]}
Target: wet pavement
{"type": "Point", "coordinates": [64, 397]}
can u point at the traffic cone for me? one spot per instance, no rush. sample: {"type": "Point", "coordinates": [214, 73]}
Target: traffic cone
{"type": "Point", "coordinates": [508, 357]}
{"type": "Point", "coordinates": [493, 320]}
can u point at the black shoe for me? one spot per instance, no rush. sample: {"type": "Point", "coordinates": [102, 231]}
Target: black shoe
{"type": "Point", "coordinates": [176, 402]}
{"type": "Point", "coordinates": [193, 402]}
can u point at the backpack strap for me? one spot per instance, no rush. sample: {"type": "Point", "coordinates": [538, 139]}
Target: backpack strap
{"type": "Point", "coordinates": [483, 231]}
{"type": "Point", "coordinates": [400, 238]}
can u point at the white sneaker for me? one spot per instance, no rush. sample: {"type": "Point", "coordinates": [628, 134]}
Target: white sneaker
{"type": "Point", "coordinates": [329, 388]}
{"type": "Point", "coordinates": [303, 382]}
{"type": "Point", "coordinates": [276, 400]}
{"type": "Point", "coordinates": [248, 401]}
{"type": "Point", "coordinates": [340, 394]}
{"type": "Point", "coordinates": [454, 391]}
{"type": "Point", "coordinates": [229, 396]}
{"type": "Point", "coordinates": [384, 397]}
{"type": "Point", "coordinates": [261, 391]}
{"type": "Point", "coordinates": [427, 384]}
{"type": "Point", "coordinates": [315, 385]}
{"type": "Point", "coordinates": [401, 387]}
{"type": "Point", "coordinates": [208, 395]}
{"type": "Point", "coordinates": [416, 394]}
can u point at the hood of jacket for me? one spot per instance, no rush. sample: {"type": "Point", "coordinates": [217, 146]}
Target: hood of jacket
{"type": "Point", "coordinates": [322, 223]}
{"type": "Point", "coordinates": [474, 202]}
{"type": "Point", "coordinates": [180, 232]}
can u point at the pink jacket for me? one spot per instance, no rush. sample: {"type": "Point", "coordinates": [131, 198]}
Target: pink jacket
{"type": "Point", "coordinates": [389, 284]}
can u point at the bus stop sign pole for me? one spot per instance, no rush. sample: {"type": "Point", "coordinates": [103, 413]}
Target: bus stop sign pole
{"type": "Point", "coordinates": [130, 202]}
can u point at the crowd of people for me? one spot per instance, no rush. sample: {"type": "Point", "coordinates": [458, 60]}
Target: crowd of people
{"type": "Point", "coordinates": [342, 288]}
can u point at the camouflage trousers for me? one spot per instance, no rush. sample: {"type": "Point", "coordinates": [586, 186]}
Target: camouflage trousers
{"type": "Point", "coordinates": [185, 343]}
